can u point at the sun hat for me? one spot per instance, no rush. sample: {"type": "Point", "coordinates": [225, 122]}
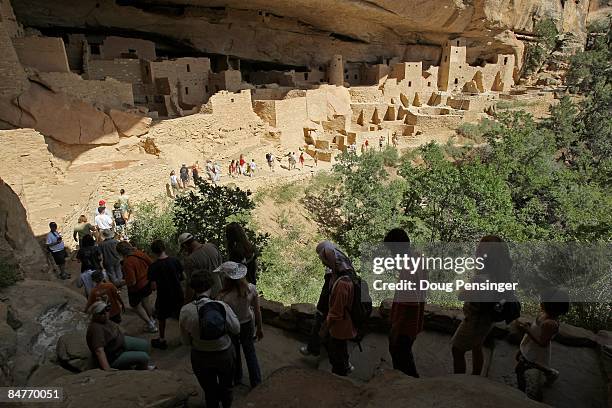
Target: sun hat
{"type": "Point", "coordinates": [232, 270]}
{"type": "Point", "coordinates": [184, 237]}
{"type": "Point", "coordinates": [98, 307]}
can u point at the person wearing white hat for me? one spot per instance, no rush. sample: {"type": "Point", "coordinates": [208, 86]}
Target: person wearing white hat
{"type": "Point", "coordinates": [111, 348]}
{"type": "Point", "coordinates": [244, 301]}
{"type": "Point", "coordinates": [201, 259]}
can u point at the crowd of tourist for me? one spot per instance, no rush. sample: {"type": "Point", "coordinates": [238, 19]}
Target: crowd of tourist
{"type": "Point", "coordinates": [217, 305]}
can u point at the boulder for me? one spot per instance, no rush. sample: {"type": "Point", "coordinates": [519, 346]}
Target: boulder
{"type": "Point", "coordinates": [270, 309]}
{"type": "Point", "coordinates": [575, 336]}
{"type": "Point", "coordinates": [57, 115]}
{"type": "Point", "coordinates": [18, 246]}
{"type": "Point", "coordinates": [303, 310]}
{"type": "Point", "coordinates": [130, 124]}
{"type": "Point", "coordinates": [443, 320]}
{"type": "Point", "coordinates": [73, 353]}
{"type": "Point", "coordinates": [120, 389]}
{"type": "Point", "coordinates": [286, 388]}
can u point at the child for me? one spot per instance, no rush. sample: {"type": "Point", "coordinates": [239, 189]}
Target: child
{"type": "Point", "coordinates": [242, 297]}
{"type": "Point", "coordinates": [535, 348]}
{"type": "Point", "coordinates": [108, 293]}
{"type": "Point", "coordinates": [165, 275]}
{"type": "Point", "coordinates": [86, 280]}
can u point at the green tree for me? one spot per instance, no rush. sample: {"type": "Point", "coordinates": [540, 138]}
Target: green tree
{"type": "Point", "coordinates": [546, 33]}
{"type": "Point", "coordinates": [205, 212]}
{"type": "Point", "coordinates": [453, 201]}
{"type": "Point", "coordinates": [363, 204]}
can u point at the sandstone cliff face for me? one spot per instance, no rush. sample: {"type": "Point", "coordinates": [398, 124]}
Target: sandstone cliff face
{"type": "Point", "coordinates": [308, 32]}
{"type": "Point", "coordinates": [17, 243]}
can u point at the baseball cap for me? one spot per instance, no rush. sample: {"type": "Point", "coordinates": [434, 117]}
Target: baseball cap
{"type": "Point", "coordinates": [184, 237]}
{"type": "Point", "coordinates": [98, 307]}
{"type": "Point", "coordinates": [232, 270]}
{"type": "Point", "coordinates": [101, 203]}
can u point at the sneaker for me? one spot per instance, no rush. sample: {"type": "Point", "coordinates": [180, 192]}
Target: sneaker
{"type": "Point", "coordinates": [150, 329]}
{"type": "Point", "coordinates": [151, 367]}
{"type": "Point", "coordinates": [351, 368]}
{"type": "Point", "coordinates": [305, 352]}
{"type": "Point", "coordinates": [551, 377]}
{"type": "Point", "coordinates": [159, 343]}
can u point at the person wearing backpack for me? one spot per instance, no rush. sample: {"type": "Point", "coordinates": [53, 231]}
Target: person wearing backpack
{"type": "Point", "coordinates": [120, 221]}
{"type": "Point", "coordinates": [338, 323]}
{"type": "Point", "coordinates": [243, 299]}
{"type": "Point", "coordinates": [407, 311]}
{"type": "Point", "coordinates": [206, 326]}
{"type": "Point", "coordinates": [135, 272]}
{"type": "Point", "coordinates": [479, 307]}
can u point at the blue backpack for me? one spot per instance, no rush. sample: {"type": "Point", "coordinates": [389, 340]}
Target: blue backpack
{"type": "Point", "coordinates": [212, 320]}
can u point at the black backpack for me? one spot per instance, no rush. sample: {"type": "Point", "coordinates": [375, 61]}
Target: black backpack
{"type": "Point", "coordinates": [118, 216]}
{"type": "Point", "coordinates": [506, 310]}
{"type": "Point", "coordinates": [212, 320]}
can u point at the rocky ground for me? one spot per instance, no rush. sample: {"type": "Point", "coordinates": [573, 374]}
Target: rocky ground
{"type": "Point", "coordinates": [42, 343]}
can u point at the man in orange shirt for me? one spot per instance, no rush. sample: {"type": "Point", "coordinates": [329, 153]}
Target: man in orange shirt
{"type": "Point", "coordinates": [135, 273]}
{"type": "Point", "coordinates": [109, 294]}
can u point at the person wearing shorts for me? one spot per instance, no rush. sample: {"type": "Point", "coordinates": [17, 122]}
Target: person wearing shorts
{"type": "Point", "coordinates": [135, 273]}
{"type": "Point", "coordinates": [55, 245]}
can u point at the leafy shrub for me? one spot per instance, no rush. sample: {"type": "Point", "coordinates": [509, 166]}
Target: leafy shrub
{"type": "Point", "coordinates": [205, 212]}
{"type": "Point", "coordinates": [154, 220]}
{"type": "Point", "coordinates": [290, 273]}
{"type": "Point", "coordinates": [475, 131]}
{"type": "Point", "coordinates": [8, 274]}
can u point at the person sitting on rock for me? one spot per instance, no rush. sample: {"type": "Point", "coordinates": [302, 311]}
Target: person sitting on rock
{"type": "Point", "coordinates": [534, 352]}
{"type": "Point", "coordinates": [165, 275]}
{"type": "Point", "coordinates": [207, 326]}
{"type": "Point", "coordinates": [108, 293]}
{"type": "Point", "coordinates": [135, 270]}
{"type": "Point", "coordinates": [244, 301]}
{"type": "Point", "coordinates": [111, 348]}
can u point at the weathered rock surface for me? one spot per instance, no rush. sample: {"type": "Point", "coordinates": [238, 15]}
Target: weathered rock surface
{"type": "Point", "coordinates": [18, 246]}
{"type": "Point", "coordinates": [120, 389]}
{"type": "Point", "coordinates": [73, 353]}
{"type": "Point", "coordinates": [57, 115]}
{"type": "Point", "coordinates": [130, 124]}
{"type": "Point", "coordinates": [303, 32]}
{"type": "Point", "coordinates": [41, 312]}
{"type": "Point", "coordinates": [287, 388]}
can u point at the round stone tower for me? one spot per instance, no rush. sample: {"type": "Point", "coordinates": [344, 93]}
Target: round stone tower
{"type": "Point", "coordinates": [335, 72]}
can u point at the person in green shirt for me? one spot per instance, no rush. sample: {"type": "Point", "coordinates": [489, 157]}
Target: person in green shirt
{"type": "Point", "coordinates": [83, 228]}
